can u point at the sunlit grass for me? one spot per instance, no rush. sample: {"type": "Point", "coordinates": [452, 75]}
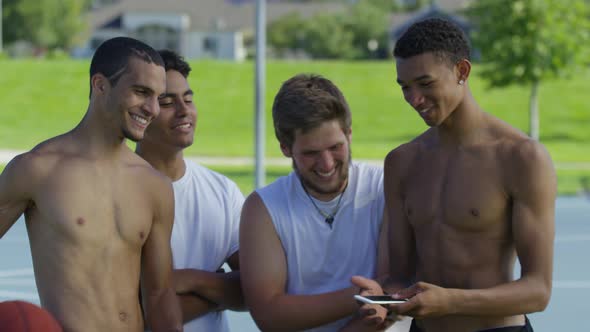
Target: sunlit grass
{"type": "Point", "coordinates": [40, 99]}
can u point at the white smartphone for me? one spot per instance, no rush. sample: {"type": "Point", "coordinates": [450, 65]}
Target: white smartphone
{"type": "Point", "coordinates": [378, 299]}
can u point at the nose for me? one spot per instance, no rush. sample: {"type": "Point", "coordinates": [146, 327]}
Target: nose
{"type": "Point", "coordinates": [182, 109]}
{"type": "Point", "coordinates": [326, 161]}
{"type": "Point", "coordinates": [414, 97]}
{"type": "Point", "coordinates": [152, 106]}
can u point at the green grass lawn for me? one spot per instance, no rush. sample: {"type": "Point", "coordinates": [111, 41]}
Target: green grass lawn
{"type": "Point", "coordinates": [40, 99]}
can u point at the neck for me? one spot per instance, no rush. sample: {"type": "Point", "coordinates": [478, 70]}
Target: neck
{"type": "Point", "coordinates": [320, 196]}
{"type": "Point", "coordinates": [167, 161]}
{"type": "Point", "coordinates": [98, 136]}
{"type": "Point", "coordinates": [464, 126]}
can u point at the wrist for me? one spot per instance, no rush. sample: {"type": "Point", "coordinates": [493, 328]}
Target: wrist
{"type": "Point", "coordinates": [453, 301]}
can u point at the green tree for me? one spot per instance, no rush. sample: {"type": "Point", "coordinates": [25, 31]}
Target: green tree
{"type": "Point", "coordinates": [327, 38]}
{"type": "Point", "coordinates": [384, 5]}
{"type": "Point", "coordinates": [287, 33]}
{"type": "Point", "coordinates": [360, 32]}
{"type": "Point", "coordinates": [48, 24]}
{"type": "Point", "coordinates": [369, 26]}
{"type": "Point", "coordinates": [527, 41]}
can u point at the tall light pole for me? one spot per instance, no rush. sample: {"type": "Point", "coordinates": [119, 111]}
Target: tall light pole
{"type": "Point", "coordinates": [1, 26]}
{"type": "Point", "coordinates": [260, 78]}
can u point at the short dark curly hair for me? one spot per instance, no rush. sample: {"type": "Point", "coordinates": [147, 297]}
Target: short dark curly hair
{"type": "Point", "coordinates": [443, 38]}
{"type": "Point", "coordinates": [173, 61]}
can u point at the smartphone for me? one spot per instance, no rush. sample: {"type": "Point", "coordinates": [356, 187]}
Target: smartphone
{"type": "Point", "coordinates": [379, 299]}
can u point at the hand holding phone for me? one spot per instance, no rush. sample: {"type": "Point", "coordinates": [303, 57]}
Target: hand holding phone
{"type": "Point", "coordinates": [378, 299]}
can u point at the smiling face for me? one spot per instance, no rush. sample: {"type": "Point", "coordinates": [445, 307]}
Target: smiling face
{"type": "Point", "coordinates": [431, 86]}
{"type": "Point", "coordinates": [321, 158]}
{"type": "Point", "coordinates": [175, 126]}
{"type": "Point", "coordinates": [133, 100]}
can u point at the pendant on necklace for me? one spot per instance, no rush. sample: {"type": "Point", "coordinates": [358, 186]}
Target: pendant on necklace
{"type": "Point", "coordinates": [329, 220]}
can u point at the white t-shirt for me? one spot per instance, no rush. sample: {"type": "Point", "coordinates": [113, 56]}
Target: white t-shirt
{"type": "Point", "coordinates": [321, 259]}
{"type": "Point", "coordinates": [206, 228]}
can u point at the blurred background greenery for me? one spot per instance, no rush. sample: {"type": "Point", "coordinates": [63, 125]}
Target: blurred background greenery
{"type": "Point", "coordinates": [530, 59]}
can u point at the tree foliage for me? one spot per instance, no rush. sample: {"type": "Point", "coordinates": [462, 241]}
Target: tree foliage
{"type": "Point", "coordinates": [527, 41]}
{"type": "Point", "coordinates": [361, 32]}
{"type": "Point", "coordinates": [47, 24]}
{"type": "Point", "coordinates": [287, 33]}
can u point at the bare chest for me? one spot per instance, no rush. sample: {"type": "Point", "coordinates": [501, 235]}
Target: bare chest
{"type": "Point", "coordinates": [91, 205]}
{"type": "Point", "coordinates": [462, 191]}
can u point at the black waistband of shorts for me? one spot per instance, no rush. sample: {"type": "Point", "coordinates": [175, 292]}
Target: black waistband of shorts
{"type": "Point", "coordinates": [521, 328]}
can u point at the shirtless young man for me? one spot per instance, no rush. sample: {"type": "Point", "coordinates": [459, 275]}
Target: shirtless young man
{"type": "Point", "coordinates": [98, 216]}
{"type": "Point", "coordinates": [207, 209]}
{"type": "Point", "coordinates": [464, 199]}
{"type": "Point", "coordinates": [305, 235]}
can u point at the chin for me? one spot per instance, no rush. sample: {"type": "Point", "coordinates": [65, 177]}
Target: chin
{"type": "Point", "coordinates": [133, 137]}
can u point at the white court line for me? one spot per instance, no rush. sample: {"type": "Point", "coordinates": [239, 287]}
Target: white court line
{"type": "Point", "coordinates": [571, 284]}
{"type": "Point", "coordinates": [19, 295]}
{"type": "Point", "coordinates": [572, 238]}
{"type": "Point", "coordinates": [16, 273]}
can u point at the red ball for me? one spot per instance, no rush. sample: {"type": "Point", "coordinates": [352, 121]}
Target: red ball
{"type": "Point", "coordinates": [20, 316]}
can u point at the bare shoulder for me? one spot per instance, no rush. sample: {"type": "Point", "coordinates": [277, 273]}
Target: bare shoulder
{"type": "Point", "coordinates": [37, 162]}
{"type": "Point", "coordinates": [402, 157]}
{"type": "Point", "coordinates": [530, 153]}
{"type": "Point", "coordinates": [530, 166]}
{"type": "Point", "coordinates": [253, 208]}
{"type": "Point", "coordinates": [147, 176]}
{"type": "Point", "coordinates": [525, 154]}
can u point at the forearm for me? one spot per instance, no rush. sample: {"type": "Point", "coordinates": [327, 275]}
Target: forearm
{"type": "Point", "coordinates": [522, 296]}
{"type": "Point", "coordinates": [223, 289]}
{"type": "Point", "coordinates": [194, 307]}
{"type": "Point", "coordinates": [300, 312]}
{"type": "Point", "coordinates": [163, 312]}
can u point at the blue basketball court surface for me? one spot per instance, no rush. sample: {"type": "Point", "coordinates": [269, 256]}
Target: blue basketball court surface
{"type": "Point", "coordinates": [570, 300]}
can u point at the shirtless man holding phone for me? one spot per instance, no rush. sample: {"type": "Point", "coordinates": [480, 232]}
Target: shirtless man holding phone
{"type": "Point", "coordinates": [463, 201]}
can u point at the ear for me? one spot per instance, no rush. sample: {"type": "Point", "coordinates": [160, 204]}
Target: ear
{"type": "Point", "coordinates": [462, 71]}
{"type": "Point", "coordinates": [286, 150]}
{"type": "Point", "coordinates": [99, 83]}
{"type": "Point", "coordinates": [348, 134]}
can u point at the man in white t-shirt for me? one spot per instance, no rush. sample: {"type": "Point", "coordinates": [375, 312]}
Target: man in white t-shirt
{"type": "Point", "coordinates": [305, 235]}
{"type": "Point", "coordinates": [207, 209]}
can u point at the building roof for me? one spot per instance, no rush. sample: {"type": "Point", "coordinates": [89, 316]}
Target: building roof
{"type": "Point", "coordinates": [207, 14]}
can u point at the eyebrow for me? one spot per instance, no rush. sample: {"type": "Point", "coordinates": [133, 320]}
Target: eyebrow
{"type": "Point", "coordinates": [188, 92]}
{"type": "Point", "coordinates": [143, 87]}
{"type": "Point", "coordinates": [419, 78]}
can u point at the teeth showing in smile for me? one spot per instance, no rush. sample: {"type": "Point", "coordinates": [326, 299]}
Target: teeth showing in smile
{"type": "Point", "coordinates": [183, 126]}
{"type": "Point", "coordinates": [139, 119]}
{"type": "Point", "coordinates": [424, 110]}
{"type": "Point", "coordinates": [326, 174]}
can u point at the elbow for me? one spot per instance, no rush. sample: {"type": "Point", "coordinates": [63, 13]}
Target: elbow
{"type": "Point", "coordinates": [541, 298]}
{"type": "Point", "coordinates": [265, 325]}
{"type": "Point", "coordinates": [241, 308]}
{"type": "Point", "coordinates": [266, 320]}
